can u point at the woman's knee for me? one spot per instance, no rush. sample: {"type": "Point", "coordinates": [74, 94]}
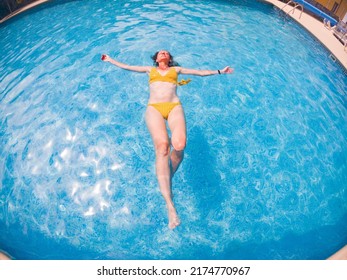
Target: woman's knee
{"type": "Point", "coordinates": [162, 148]}
{"type": "Point", "coordinates": [179, 144]}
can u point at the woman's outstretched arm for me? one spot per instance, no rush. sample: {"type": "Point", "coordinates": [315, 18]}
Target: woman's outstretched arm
{"type": "Point", "coordinates": [225, 70]}
{"type": "Point", "coordinates": [142, 69]}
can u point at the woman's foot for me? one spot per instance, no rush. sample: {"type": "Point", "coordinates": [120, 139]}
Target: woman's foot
{"type": "Point", "coordinates": [174, 221]}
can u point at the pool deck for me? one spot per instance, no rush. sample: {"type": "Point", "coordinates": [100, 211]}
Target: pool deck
{"type": "Point", "coordinates": [339, 255]}
{"type": "Point", "coordinates": [317, 29]}
{"type": "Point", "coordinates": [27, 7]}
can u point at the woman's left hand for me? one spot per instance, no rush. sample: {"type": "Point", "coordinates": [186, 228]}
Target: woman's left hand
{"type": "Point", "coordinates": [227, 70]}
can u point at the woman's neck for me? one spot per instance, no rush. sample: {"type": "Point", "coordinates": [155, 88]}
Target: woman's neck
{"type": "Point", "coordinates": [163, 66]}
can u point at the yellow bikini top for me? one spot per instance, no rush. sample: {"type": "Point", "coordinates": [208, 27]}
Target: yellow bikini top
{"type": "Point", "coordinates": [170, 77]}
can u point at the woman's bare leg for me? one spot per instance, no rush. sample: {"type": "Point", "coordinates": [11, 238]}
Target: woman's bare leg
{"type": "Point", "coordinates": [177, 124]}
{"type": "Point", "coordinates": [157, 128]}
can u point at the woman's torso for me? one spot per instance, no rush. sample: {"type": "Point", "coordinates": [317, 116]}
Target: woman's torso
{"type": "Point", "coordinates": [163, 85]}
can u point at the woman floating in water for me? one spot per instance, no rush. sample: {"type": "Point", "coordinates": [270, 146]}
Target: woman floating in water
{"type": "Point", "coordinates": [164, 105]}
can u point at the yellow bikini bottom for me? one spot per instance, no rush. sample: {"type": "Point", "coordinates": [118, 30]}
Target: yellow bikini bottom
{"type": "Point", "coordinates": [165, 108]}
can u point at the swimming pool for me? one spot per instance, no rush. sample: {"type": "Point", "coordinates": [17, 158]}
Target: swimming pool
{"type": "Point", "coordinates": [264, 175]}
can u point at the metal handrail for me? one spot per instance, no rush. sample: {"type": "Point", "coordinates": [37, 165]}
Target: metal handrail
{"type": "Point", "coordinates": [296, 5]}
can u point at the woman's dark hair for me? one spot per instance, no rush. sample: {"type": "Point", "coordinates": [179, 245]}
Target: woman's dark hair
{"type": "Point", "coordinates": [171, 62]}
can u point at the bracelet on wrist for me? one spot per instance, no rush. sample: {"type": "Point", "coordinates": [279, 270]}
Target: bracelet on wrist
{"type": "Point", "coordinates": [218, 72]}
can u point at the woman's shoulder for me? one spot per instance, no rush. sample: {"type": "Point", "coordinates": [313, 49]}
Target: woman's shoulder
{"type": "Point", "coordinates": [149, 69]}
{"type": "Point", "coordinates": [177, 68]}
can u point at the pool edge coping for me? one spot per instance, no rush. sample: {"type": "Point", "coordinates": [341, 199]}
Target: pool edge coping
{"type": "Point", "coordinates": [23, 9]}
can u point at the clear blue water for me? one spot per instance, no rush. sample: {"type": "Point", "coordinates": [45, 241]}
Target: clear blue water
{"type": "Point", "coordinates": [265, 172]}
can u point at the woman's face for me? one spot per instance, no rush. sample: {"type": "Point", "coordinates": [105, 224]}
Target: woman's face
{"type": "Point", "coordinates": [163, 56]}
